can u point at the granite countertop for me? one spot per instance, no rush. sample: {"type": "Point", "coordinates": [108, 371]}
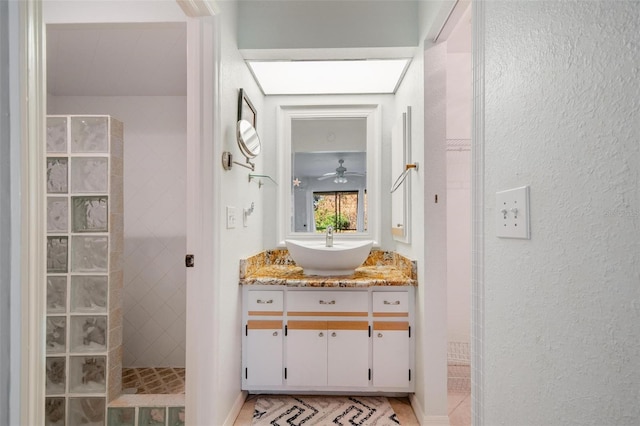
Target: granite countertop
{"type": "Point", "coordinates": [275, 267]}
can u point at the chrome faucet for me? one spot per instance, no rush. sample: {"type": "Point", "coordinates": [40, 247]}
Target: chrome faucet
{"type": "Point", "coordinates": [329, 236]}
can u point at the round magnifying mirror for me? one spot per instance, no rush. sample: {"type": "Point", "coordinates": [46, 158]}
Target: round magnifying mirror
{"type": "Point", "coordinates": [248, 139]}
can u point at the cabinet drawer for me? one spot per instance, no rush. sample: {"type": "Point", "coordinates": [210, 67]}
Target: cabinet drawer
{"type": "Point", "coordinates": [263, 302]}
{"type": "Point", "coordinates": [390, 303]}
{"type": "Point", "coordinates": [334, 303]}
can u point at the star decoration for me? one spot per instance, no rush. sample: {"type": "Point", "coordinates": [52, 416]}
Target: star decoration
{"type": "Point", "coordinates": [296, 182]}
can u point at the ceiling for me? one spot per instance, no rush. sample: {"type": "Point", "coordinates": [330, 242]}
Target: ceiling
{"type": "Point", "coordinates": [147, 59]}
{"type": "Point", "coordinates": [143, 59]}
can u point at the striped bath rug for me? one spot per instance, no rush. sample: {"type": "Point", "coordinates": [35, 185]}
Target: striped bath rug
{"type": "Point", "coordinates": [281, 410]}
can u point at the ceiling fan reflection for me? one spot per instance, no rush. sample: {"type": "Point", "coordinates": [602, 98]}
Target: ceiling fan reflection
{"type": "Point", "coordinates": [340, 174]}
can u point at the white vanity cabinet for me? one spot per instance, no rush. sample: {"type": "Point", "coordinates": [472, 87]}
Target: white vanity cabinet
{"type": "Point", "coordinates": [327, 339]}
{"type": "Point", "coordinates": [264, 353]}
{"type": "Point", "coordinates": [348, 355]}
{"type": "Point", "coordinates": [263, 343]}
{"type": "Point", "coordinates": [327, 353]}
{"type": "Point", "coordinates": [306, 354]}
{"type": "Point", "coordinates": [391, 339]}
{"type": "Point", "coordinates": [336, 348]}
{"type": "Point", "coordinates": [391, 355]}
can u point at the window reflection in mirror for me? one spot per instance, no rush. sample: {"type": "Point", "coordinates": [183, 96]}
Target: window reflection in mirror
{"type": "Point", "coordinates": [342, 210]}
{"type": "Point", "coordinates": [329, 167]}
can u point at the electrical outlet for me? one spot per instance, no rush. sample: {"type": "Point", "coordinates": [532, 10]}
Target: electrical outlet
{"type": "Point", "coordinates": [512, 213]}
{"type": "Point", "coordinates": [231, 217]}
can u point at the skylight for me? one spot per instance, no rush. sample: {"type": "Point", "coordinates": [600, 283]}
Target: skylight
{"type": "Point", "coordinates": [329, 77]}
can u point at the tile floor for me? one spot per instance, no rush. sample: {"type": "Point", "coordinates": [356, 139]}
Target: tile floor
{"type": "Point", "coordinates": [171, 381]}
{"type": "Point", "coordinates": [459, 402]}
{"type": "Point", "coordinates": [459, 395]}
{"type": "Point", "coordinates": [153, 380]}
{"type": "Point", "coordinates": [459, 410]}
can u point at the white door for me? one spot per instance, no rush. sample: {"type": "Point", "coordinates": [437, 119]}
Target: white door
{"type": "Point", "coordinates": [307, 357]}
{"type": "Point", "coordinates": [391, 358]}
{"type": "Point", "coordinates": [348, 358]}
{"type": "Point", "coordinates": [264, 357]}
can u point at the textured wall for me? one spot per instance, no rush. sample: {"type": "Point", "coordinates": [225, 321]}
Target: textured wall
{"type": "Point", "coordinates": [562, 310]}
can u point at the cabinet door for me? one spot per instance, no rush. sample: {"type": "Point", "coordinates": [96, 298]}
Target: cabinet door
{"type": "Point", "coordinates": [391, 354]}
{"type": "Point", "coordinates": [307, 353]}
{"type": "Point", "coordinates": [264, 353]}
{"type": "Point", "coordinates": [348, 357]}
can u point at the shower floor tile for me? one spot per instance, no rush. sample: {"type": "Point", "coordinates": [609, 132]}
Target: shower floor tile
{"type": "Point", "coordinates": [153, 380]}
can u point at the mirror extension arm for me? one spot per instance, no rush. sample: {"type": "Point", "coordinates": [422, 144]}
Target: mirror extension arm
{"type": "Point", "coordinates": [228, 162]}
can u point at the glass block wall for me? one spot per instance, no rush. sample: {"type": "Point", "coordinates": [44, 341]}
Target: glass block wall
{"type": "Point", "coordinates": [84, 268]}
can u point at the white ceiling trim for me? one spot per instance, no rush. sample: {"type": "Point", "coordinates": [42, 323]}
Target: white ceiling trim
{"type": "Point", "coordinates": [329, 53]}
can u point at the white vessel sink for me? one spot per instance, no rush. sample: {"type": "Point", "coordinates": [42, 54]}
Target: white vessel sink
{"type": "Point", "coordinates": [316, 259]}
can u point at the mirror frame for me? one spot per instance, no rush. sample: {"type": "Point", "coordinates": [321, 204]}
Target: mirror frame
{"type": "Point", "coordinates": [400, 157]}
{"type": "Point", "coordinates": [372, 114]}
{"type": "Point", "coordinates": [243, 140]}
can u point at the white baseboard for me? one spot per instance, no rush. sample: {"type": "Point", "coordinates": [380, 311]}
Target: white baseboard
{"type": "Point", "coordinates": [423, 419]}
{"type": "Point", "coordinates": [235, 409]}
{"type": "Point", "coordinates": [417, 408]}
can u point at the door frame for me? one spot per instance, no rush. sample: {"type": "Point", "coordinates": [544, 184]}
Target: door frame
{"type": "Point", "coordinates": [203, 98]}
{"type": "Point", "coordinates": [33, 229]}
{"type": "Point", "coordinates": [203, 132]}
{"type": "Point", "coordinates": [32, 225]}
{"type": "Point", "coordinates": [477, 212]}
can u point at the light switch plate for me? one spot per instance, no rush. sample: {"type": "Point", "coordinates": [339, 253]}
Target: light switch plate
{"type": "Point", "coordinates": [231, 217]}
{"type": "Point", "coordinates": [512, 213]}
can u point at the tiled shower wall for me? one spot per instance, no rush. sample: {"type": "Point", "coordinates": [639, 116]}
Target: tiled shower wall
{"type": "Point", "coordinates": [154, 222]}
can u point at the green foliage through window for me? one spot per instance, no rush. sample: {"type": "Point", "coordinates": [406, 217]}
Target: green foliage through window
{"type": "Point", "coordinates": [336, 209]}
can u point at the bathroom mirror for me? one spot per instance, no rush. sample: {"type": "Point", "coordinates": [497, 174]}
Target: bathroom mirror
{"type": "Point", "coordinates": [248, 140]}
{"type": "Point", "coordinates": [401, 178]}
{"type": "Point", "coordinates": [329, 157]}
